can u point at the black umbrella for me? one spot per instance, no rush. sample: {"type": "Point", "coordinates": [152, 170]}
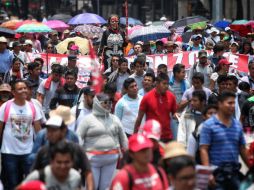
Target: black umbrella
{"type": "Point", "coordinates": [7, 32]}
{"type": "Point", "coordinates": [62, 17]}
{"type": "Point", "coordinates": [188, 20]}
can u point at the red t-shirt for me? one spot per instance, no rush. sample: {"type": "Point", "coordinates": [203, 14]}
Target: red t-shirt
{"type": "Point", "coordinates": [159, 107]}
{"type": "Point", "coordinates": [140, 181]}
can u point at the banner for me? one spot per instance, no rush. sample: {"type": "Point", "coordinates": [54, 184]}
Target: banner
{"type": "Point", "coordinates": [239, 62]}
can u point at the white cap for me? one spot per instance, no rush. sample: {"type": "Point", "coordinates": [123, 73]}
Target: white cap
{"type": "Point", "coordinates": [28, 42]}
{"type": "Point", "coordinates": [54, 121]}
{"type": "Point", "coordinates": [227, 28]}
{"type": "Point", "coordinates": [3, 39]}
{"type": "Point", "coordinates": [214, 30]}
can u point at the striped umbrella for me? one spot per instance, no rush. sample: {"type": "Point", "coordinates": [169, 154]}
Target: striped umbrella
{"type": "Point", "coordinates": [149, 33]}
{"type": "Point", "coordinates": [34, 28]}
{"type": "Point", "coordinates": [89, 30]}
{"type": "Point", "coordinates": [11, 24]}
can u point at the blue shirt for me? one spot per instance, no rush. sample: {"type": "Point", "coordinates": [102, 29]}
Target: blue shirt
{"type": "Point", "coordinates": [224, 142]}
{"type": "Point", "coordinates": [6, 61]}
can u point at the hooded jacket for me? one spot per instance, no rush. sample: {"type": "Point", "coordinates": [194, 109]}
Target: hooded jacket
{"type": "Point", "coordinates": [101, 131]}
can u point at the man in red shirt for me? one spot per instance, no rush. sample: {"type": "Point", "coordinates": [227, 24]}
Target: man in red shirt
{"type": "Point", "coordinates": [140, 174]}
{"type": "Point", "coordinates": [158, 104]}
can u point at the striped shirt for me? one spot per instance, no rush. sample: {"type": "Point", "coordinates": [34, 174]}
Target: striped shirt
{"type": "Point", "coordinates": [224, 142]}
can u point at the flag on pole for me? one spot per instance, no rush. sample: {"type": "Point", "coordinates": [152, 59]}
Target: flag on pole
{"type": "Point", "coordinates": [97, 79]}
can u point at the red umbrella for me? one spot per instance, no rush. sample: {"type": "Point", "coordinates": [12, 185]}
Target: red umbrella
{"type": "Point", "coordinates": [242, 26]}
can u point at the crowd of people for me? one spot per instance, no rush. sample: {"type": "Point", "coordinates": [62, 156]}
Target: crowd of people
{"type": "Point", "coordinates": [148, 128]}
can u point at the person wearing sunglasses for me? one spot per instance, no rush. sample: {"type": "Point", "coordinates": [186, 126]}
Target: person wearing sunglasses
{"type": "Point", "coordinates": [196, 43]}
{"type": "Point", "coordinates": [102, 137]}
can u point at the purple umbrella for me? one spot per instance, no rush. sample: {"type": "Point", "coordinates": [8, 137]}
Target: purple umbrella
{"type": "Point", "coordinates": [87, 18]}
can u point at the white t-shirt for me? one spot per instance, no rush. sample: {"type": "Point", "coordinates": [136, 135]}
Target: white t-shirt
{"type": "Point", "coordinates": [72, 182]}
{"type": "Point", "coordinates": [48, 94]}
{"type": "Point", "coordinates": [18, 130]}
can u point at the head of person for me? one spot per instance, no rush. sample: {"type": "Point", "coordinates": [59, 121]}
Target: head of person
{"type": "Point", "coordinates": [202, 56]}
{"type": "Point", "coordinates": [140, 149]}
{"type": "Point", "coordinates": [209, 44]}
{"type": "Point", "coordinates": [16, 63]}
{"type": "Point", "coordinates": [222, 82]}
{"type": "Point", "coordinates": [214, 32]}
{"type": "Point", "coordinates": [197, 39]}
{"type": "Point", "coordinates": [139, 65]}
{"type": "Point", "coordinates": [40, 61]}
{"type": "Point", "coordinates": [49, 48]}
{"type": "Point", "coordinates": [228, 30]}
{"type": "Point", "coordinates": [88, 94]}
{"type": "Point", "coordinates": [224, 65]}
{"type": "Point", "coordinates": [198, 80]}
{"type": "Point", "coordinates": [123, 65]}
{"type": "Point", "coordinates": [138, 48]}
{"type": "Point", "coordinates": [232, 83]}
{"type": "Point", "coordinates": [148, 81]}
{"type": "Point", "coordinates": [226, 103]}
{"type": "Point", "coordinates": [234, 47]}
{"type": "Point", "coordinates": [198, 100]}
{"type": "Point", "coordinates": [34, 69]}
{"type": "Point", "coordinates": [130, 87]}
{"type": "Point", "coordinates": [3, 43]}
{"type": "Point", "coordinates": [28, 45]}
{"type": "Point", "coordinates": [30, 87]}
{"type": "Point", "coordinates": [162, 82]}
{"type": "Point", "coordinates": [113, 22]}
{"type": "Point", "coordinates": [115, 59]}
{"type": "Point", "coordinates": [16, 46]}
{"type": "Point", "coordinates": [226, 42]}
{"type": "Point", "coordinates": [66, 33]}
{"type": "Point", "coordinates": [162, 68]}
{"type": "Point", "coordinates": [251, 68]}
{"type": "Point", "coordinates": [244, 86]}
{"type": "Point", "coordinates": [19, 90]}
{"type": "Point", "coordinates": [197, 31]}
{"type": "Point", "coordinates": [72, 61]}
{"type": "Point", "coordinates": [54, 35]}
{"type": "Point", "coordinates": [179, 71]}
{"type": "Point", "coordinates": [110, 89]}
{"type": "Point", "coordinates": [101, 104]}
{"type": "Point", "coordinates": [70, 78]}
{"type": "Point", "coordinates": [71, 43]}
{"type": "Point", "coordinates": [159, 45]}
{"type": "Point", "coordinates": [61, 160]}
{"type": "Point", "coordinates": [5, 92]}
{"type": "Point", "coordinates": [247, 49]}
{"type": "Point", "coordinates": [209, 111]}
{"type": "Point", "coordinates": [219, 49]}
{"type": "Point", "coordinates": [170, 46]}
{"type": "Point", "coordinates": [56, 72]}
{"type": "Point", "coordinates": [56, 129]}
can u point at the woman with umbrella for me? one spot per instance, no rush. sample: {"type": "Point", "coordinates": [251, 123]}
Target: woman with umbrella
{"type": "Point", "coordinates": [113, 41]}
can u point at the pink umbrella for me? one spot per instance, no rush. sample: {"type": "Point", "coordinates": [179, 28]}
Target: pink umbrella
{"type": "Point", "coordinates": [57, 25]}
{"type": "Point", "coordinates": [133, 29]}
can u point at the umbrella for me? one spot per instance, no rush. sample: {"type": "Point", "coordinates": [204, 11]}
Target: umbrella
{"type": "Point", "coordinates": [158, 23]}
{"type": "Point", "coordinates": [133, 29]}
{"type": "Point", "coordinates": [188, 20]}
{"type": "Point", "coordinates": [7, 32]}
{"type": "Point", "coordinates": [89, 30]}
{"type": "Point", "coordinates": [62, 17]}
{"type": "Point", "coordinates": [186, 36]}
{"type": "Point", "coordinates": [241, 26]}
{"type": "Point", "coordinates": [149, 33]}
{"type": "Point", "coordinates": [20, 23]}
{"type": "Point", "coordinates": [57, 25]}
{"type": "Point", "coordinates": [131, 21]}
{"type": "Point", "coordinates": [222, 24]}
{"type": "Point", "coordinates": [11, 24]}
{"type": "Point", "coordinates": [87, 18]}
{"type": "Point", "coordinates": [33, 28]}
{"type": "Point", "coordinates": [198, 25]}
{"type": "Point", "coordinates": [168, 24]}
{"type": "Point", "coordinates": [82, 43]}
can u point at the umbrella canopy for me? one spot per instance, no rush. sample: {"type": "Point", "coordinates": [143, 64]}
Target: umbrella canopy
{"type": "Point", "coordinates": [57, 25]}
{"type": "Point", "coordinates": [11, 24]}
{"type": "Point", "coordinates": [222, 24]}
{"type": "Point", "coordinates": [87, 18]}
{"type": "Point", "coordinates": [241, 26]}
{"type": "Point", "coordinates": [89, 30]}
{"type": "Point", "coordinates": [198, 25]}
{"type": "Point", "coordinates": [33, 28]}
{"type": "Point", "coordinates": [149, 33]}
{"type": "Point", "coordinates": [188, 20]}
{"type": "Point", "coordinates": [25, 22]}
{"type": "Point", "coordinates": [133, 29]}
{"type": "Point", "coordinates": [168, 24]}
{"type": "Point", "coordinates": [7, 32]}
{"type": "Point", "coordinates": [131, 21]}
{"type": "Point", "coordinates": [82, 43]}
{"type": "Point", "coordinates": [62, 17]}
{"type": "Point", "coordinates": [158, 23]}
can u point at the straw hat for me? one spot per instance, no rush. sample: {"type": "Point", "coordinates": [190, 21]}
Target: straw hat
{"type": "Point", "coordinates": [174, 149]}
{"type": "Point", "coordinates": [64, 112]}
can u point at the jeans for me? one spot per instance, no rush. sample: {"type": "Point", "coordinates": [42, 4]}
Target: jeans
{"type": "Point", "coordinates": [14, 168]}
{"type": "Point", "coordinates": [103, 168]}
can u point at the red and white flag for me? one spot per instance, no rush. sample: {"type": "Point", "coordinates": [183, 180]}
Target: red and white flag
{"type": "Point", "coordinates": [97, 79]}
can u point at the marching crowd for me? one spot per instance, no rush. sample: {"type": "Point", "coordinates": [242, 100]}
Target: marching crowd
{"type": "Point", "coordinates": [148, 128]}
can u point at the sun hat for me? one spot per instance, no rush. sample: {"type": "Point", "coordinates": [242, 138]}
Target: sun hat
{"type": "Point", "coordinates": [139, 142]}
{"type": "Point", "coordinates": [3, 39]}
{"type": "Point", "coordinates": [28, 42]}
{"type": "Point", "coordinates": [152, 129]}
{"type": "Point", "coordinates": [64, 112]}
{"type": "Point", "coordinates": [55, 121]}
{"type": "Point", "coordinates": [174, 149]}
{"type": "Point", "coordinates": [5, 87]}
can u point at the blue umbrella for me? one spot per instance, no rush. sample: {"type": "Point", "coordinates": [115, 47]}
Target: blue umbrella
{"type": "Point", "coordinates": [87, 18]}
{"type": "Point", "coordinates": [7, 32]}
{"type": "Point", "coordinates": [149, 33]}
{"type": "Point", "coordinates": [222, 24]}
{"type": "Point", "coordinates": [131, 21]}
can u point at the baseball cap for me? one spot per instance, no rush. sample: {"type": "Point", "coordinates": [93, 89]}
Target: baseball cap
{"type": "Point", "coordinates": [214, 30]}
{"type": "Point", "coordinates": [139, 142]}
{"type": "Point", "coordinates": [88, 91]}
{"type": "Point", "coordinates": [28, 42]}
{"type": "Point", "coordinates": [32, 185]}
{"type": "Point", "coordinates": [227, 28]}
{"type": "Point", "coordinates": [235, 43]}
{"type": "Point", "coordinates": [224, 62]}
{"type": "Point", "coordinates": [72, 57]}
{"type": "Point", "coordinates": [5, 87]}
{"type": "Point", "coordinates": [152, 129]}
{"type": "Point", "coordinates": [202, 53]}
{"type": "Point", "coordinates": [174, 149]}
{"type": "Point", "coordinates": [3, 39]}
{"type": "Point", "coordinates": [54, 32]}
{"type": "Point", "coordinates": [195, 36]}
{"type": "Point", "coordinates": [54, 121]}
{"type": "Point", "coordinates": [15, 44]}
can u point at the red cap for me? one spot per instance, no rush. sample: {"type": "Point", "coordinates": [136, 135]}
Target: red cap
{"type": "Point", "coordinates": [32, 185]}
{"type": "Point", "coordinates": [224, 62]}
{"type": "Point", "coordinates": [152, 129]}
{"type": "Point", "coordinates": [138, 142]}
